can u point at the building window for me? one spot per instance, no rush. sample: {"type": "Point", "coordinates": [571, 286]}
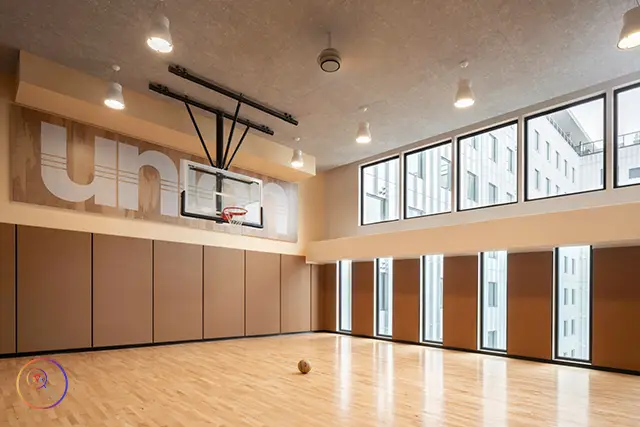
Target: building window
{"type": "Point", "coordinates": [493, 148]}
{"type": "Point", "coordinates": [548, 151]}
{"type": "Point", "coordinates": [427, 181]}
{"type": "Point", "coordinates": [557, 189]}
{"type": "Point", "coordinates": [493, 194]}
{"type": "Point", "coordinates": [510, 197]}
{"type": "Point", "coordinates": [472, 187]}
{"type": "Point", "coordinates": [379, 191]}
{"type": "Point", "coordinates": [573, 266]}
{"type": "Point", "coordinates": [493, 292]}
{"type": "Point", "coordinates": [384, 296]}
{"type": "Point", "coordinates": [573, 321]}
{"type": "Point", "coordinates": [627, 147]}
{"type": "Point", "coordinates": [481, 166]}
{"type": "Point", "coordinates": [537, 179]}
{"type": "Point", "coordinates": [344, 295]}
{"type": "Point", "coordinates": [566, 264]}
{"type": "Point", "coordinates": [576, 135]}
{"type": "Point", "coordinates": [511, 159]}
{"type": "Point", "coordinates": [548, 186]}
{"type": "Point", "coordinates": [473, 143]}
{"type": "Point", "coordinates": [537, 141]}
{"type": "Point", "coordinates": [432, 279]}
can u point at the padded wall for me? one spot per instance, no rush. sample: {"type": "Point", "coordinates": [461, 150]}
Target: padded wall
{"type": "Point", "coordinates": [460, 302]}
{"type": "Point", "coordinates": [122, 291]}
{"type": "Point", "coordinates": [7, 289]}
{"type": "Point", "coordinates": [616, 308]}
{"type": "Point", "coordinates": [54, 289]}
{"type": "Point", "coordinates": [406, 300]}
{"type": "Point", "coordinates": [362, 298]}
{"type": "Point", "coordinates": [295, 291]}
{"type": "Point", "coordinates": [262, 293]}
{"type": "Point", "coordinates": [177, 292]}
{"type": "Point", "coordinates": [530, 304]}
{"type": "Point", "coordinates": [316, 297]}
{"type": "Point", "coordinates": [223, 292]}
{"type": "Point", "coordinates": [329, 297]}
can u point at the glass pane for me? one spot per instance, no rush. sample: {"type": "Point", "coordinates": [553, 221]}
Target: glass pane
{"type": "Point", "coordinates": [379, 191]}
{"type": "Point", "coordinates": [628, 146]}
{"type": "Point", "coordinates": [573, 321]}
{"type": "Point", "coordinates": [344, 270]}
{"type": "Point", "coordinates": [432, 298]}
{"type": "Point", "coordinates": [490, 167]}
{"type": "Point", "coordinates": [576, 137]}
{"type": "Point", "coordinates": [494, 300]}
{"type": "Point", "coordinates": [428, 181]}
{"type": "Point", "coordinates": [384, 296]}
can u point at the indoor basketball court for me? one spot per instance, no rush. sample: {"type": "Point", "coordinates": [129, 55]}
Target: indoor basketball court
{"type": "Point", "coordinates": [340, 214]}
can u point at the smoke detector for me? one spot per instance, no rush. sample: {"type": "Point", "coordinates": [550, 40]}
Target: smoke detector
{"type": "Point", "coordinates": [329, 59]}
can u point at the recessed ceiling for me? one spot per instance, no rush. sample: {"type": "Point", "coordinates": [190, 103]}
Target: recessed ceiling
{"type": "Point", "coordinates": [398, 57]}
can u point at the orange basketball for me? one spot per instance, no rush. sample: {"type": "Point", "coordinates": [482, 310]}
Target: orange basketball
{"type": "Point", "coordinates": [304, 366]}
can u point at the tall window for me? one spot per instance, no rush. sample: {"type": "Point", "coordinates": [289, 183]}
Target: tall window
{"type": "Point", "coordinates": [493, 300]}
{"type": "Point", "coordinates": [573, 314]}
{"type": "Point", "coordinates": [627, 148]}
{"type": "Point", "coordinates": [432, 280]}
{"type": "Point", "coordinates": [379, 191]}
{"type": "Point", "coordinates": [491, 162]}
{"type": "Point", "coordinates": [384, 296]}
{"type": "Point", "coordinates": [344, 285]}
{"type": "Point", "coordinates": [576, 134]}
{"type": "Point", "coordinates": [427, 180]}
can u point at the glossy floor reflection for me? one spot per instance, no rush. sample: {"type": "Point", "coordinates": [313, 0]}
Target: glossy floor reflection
{"type": "Point", "coordinates": [353, 382]}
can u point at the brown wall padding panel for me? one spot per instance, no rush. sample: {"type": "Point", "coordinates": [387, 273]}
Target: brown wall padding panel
{"type": "Point", "coordinates": [460, 302]}
{"type": "Point", "coordinates": [329, 297]}
{"type": "Point", "coordinates": [295, 289]}
{"type": "Point", "coordinates": [54, 289]}
{"type": "Point", "coordinates": [316, 297]}
{"type": "Point", "coordinates": [223, 292]}
{"type": "Point", "coordinates": [122, 291]}
{"type": "Point", "coordinates": [177, 294]}
{"type": "Point", "coordinates": [7, 289]}
{"type": "Point", "coordinates": [406, 300]}
{"type": "Point", "coordinates": [616, 308]}
{"type": "Point", "coordinates": [262, 293]}
{"type": "Point", "coordinates": [362, 298]}
{"type": "Point", "coordinates": [530, 304]}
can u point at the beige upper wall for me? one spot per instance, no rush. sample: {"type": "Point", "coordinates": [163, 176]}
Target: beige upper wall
{"type": "Point", "coordinates": [40, 90]}
{"type": "Point", "coordinates": [593, 218]}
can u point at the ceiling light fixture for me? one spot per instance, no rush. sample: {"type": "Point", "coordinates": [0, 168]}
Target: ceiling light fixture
{"type": "Point", "coordinates": [329, 59]}
{"type": "Point", "coordinates": [159, 38]}
{"type": "Point", "coordinates": [464, 95]}
{"type": "Point", "coordinates": [296, 160]}
{"type": "Point", "coordinates": [114, 98]}
{"type": "Point", "coordinates": [630, 33]}
{"type": "Point", "coordinates": [363, 136]}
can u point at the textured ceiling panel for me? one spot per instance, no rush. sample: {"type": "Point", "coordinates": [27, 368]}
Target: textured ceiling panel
{"type": "Point", "coordinates": [399, 57]}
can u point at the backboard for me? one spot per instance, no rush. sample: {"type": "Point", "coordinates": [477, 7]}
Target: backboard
{"type": "Point", "coordinates": [207, 191]}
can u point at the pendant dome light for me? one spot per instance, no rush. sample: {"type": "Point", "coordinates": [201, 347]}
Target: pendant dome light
{"type": "Point", "coordinates": [159, 38]}
{"type": "Point", "coordinates": [464, 95]}
{"type": "Point", "coordinates": [296, 160]}
{"type": "Point", "coordinates": [630, 33]}
{"type": "Point", "coordinates": [329, 59]}
{"type": "Point", "coordinates": [114, 98]}
{"type": "Point", "coordinates": [363, 136]}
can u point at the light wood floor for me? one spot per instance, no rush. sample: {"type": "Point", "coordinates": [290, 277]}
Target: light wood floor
{"type": "Point", "coordinates": [354, 382]}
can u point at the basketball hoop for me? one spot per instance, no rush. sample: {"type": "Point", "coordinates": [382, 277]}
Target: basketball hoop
{"type": "Point", "coordinates": [234, 216]}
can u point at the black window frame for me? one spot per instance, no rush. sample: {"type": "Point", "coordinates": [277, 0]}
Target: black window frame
{"type": "Point", "coordinates": [463, 138]}
{"type": "Point", "coordinates": [616, 93]}
{"type": "Point", "coordinates": [376, 296]}
{"type": "Point", "coordinates": [525, 145]}
{"type": "Point", "coordinates": [556, 334]}
{"type": "Point", "coordinates": [404, 180]}
{"type": "Point", "coordinates": [362, 195]}
{"type": "Point", "coordinates": [339, 273]}
{"type": "Point", "coordinates": [481, 309]}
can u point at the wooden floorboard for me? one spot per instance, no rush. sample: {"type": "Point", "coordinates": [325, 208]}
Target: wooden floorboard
{"type": "Point", "coordinates": [353, 382]}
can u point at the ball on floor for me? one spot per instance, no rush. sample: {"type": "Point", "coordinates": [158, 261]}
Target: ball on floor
{"type": "Point", "coordinates": [304, 366]}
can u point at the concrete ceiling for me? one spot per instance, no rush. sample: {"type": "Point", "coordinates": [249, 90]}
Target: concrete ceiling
{"type": "Point", "coordinates": [399, 57]}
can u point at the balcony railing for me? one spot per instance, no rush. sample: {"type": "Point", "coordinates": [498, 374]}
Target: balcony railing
{"type": "Point", "coordinates": [628, 139]}
{"type": "Point", "coordinates": [581, 148]}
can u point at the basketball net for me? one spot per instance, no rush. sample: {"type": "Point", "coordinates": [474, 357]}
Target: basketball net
{"type": "Point", "coordinates": [234, 216]}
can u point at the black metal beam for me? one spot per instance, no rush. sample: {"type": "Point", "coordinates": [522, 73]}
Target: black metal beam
{"type": "Point", "coordinates": [164, 90]}
{"type": "Point", "coordinates": [233, 127]}
{"type": "Point", "coordinates": [195, 125]}
{"type": "Point", "coordinates": [186, 74]}
{"type": "Point", "coordinates": [237, 148]}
